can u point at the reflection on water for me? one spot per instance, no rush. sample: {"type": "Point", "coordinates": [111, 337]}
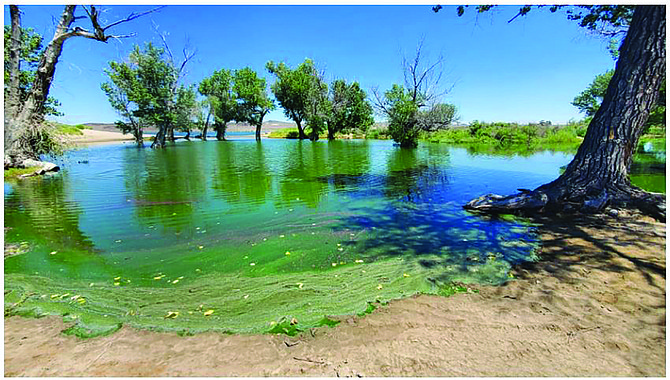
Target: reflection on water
{"type": "Point", "coordinates": [140, 207]}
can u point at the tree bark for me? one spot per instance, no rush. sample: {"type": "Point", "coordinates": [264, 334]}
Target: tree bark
{"type": "Point", "coordinates": [597, 177]}
{"type": "Point", "coordinates": [204, 129]}
{"type": "Point", "coordinates": [220, 131]}
{"type": "Point", "coordinates": [13, 95]}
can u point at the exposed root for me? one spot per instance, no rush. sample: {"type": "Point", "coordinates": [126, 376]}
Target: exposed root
{"type": "Point", "coordinates": [545, 201]}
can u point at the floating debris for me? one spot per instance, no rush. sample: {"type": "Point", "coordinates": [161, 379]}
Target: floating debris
{"type": "Point", "coordinates": [287, 253]}
{"type": "Point", "coordinates": [172, 314]}
{"type": "Point", "coordinates": [208, 313]}
{"type": "Point", "coordinates": [53, 253]}
{"type": "Point", "coordinates": [252, 264]}
{"type": "Point", "coordinates": [359, 261]}
{"type": "Point", "coordinates": [379, 286]}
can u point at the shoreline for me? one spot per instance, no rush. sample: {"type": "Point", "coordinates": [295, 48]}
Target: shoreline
{"type": "Point", "coordinates": [594, 305]}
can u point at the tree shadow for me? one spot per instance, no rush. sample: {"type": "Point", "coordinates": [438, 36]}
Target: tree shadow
{"type": "Point", "coordinates": [620, 245]}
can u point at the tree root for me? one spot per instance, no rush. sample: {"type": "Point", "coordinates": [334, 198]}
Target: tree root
{"type": "Point", "coordinates": [546, 201]}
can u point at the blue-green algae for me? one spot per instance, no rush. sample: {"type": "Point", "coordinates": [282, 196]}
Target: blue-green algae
{"type": "Point", "coordinates": [246, 237]}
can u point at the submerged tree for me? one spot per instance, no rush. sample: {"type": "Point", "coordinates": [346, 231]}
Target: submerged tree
{"type": "Point", "coordinates": [218, 89]}
{"type": "Point", "coordinates": [141, 92]}
{"type": "Point", "coordinates": [24, 131]}
{"type": "Point", "coordinates": [404, 106]}
{"type": "Point", "coordinates": [253, 101]}
{"type": "Point", "coordinates": [598, 175]}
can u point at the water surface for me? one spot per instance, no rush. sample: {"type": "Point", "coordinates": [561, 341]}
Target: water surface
{"type": "Point", "coordinates": [260, 231]}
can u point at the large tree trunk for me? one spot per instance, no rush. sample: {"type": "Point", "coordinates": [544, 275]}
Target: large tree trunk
{"type": "Point", "coordinates": [220, 131]}
{"type": "Point", "coordinates": [598, 175]}
{"type": "Point", "coordinates": [204, 129]}
{"type": "Point", "coordinates": [14, 93]}
{"type": "Point", "coordinates": [301, 131]}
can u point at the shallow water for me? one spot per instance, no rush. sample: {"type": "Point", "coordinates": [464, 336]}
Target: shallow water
{"type": "Point", "coordinates": [271, 229]}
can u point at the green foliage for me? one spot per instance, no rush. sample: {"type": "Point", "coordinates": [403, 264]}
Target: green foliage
{"type": "Point", "coordinates": [284, 133]}
{"type": "Point", "coordinates": [251, 92]}
{"type": "Point", "coordinates": [606, 19]}
{"type": "Point", "coordinates": [402, 113]}
{"type": "Point", "coordinates": [502, 134]}
{"type": "Point", "coordinates": [350, 109]}
{"type": "Point", "coordinates": [589, 100]}
{"type": "Point", "coordinates": [186, 108]}
{"type": "Point", "coordinates": [439, 116]}
{"type": "Point", "coordinates": [218, 89]}
{"type": "Point", "coordinates": [298, 91]}
{"type": "Point", "coordinates": [377, 134]}
{"type": "Point", "coordinates": [142, 90]}
{"type": "Point", "coordinates": [30, 55]}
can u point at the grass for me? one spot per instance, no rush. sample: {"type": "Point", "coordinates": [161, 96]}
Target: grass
{"type": "Point", "coordinates": [67, 129]}
{"type": "Point", "coordinates": [15, 173]}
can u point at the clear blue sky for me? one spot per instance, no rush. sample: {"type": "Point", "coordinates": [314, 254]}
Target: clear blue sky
{"type": "Point", "coordinates": [524, 71]}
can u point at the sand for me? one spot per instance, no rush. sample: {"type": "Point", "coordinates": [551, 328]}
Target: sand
{"type": "Point", "coordinates": [91, 136]}
{"type": "Point", "coordinates": [593, 306]}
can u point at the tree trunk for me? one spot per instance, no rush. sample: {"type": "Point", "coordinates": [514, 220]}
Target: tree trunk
{"type": "Point", "coordinates": [13, 100]}
{"type": "Point", "coordinates": [301, 131]}
{"type": "Point", "coordinates": [598, 175]}
{"type": "Point", "coordinates": [220, 131]}
{"type": "Point", "coordinates": [14, 92]}
{"type": "Point", "coordinates": [139, 139]}
{"type": "Point", "coordinates": [34, 105]}
{"type": "Point", "coordinates": [204, 129]}
{"type": "Point", "coordinates": [188, 134]}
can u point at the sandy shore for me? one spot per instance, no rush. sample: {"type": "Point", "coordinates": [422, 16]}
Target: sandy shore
{"type": "Point", "coordinates": [594, 306]}
{"type": "Point", "coordinates": [91, 136]}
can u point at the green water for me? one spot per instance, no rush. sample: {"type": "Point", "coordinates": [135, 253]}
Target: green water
{"type": "Point", "coordinates": [239, 236]}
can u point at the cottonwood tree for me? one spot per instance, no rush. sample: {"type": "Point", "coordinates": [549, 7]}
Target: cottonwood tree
{"type": "Point", "coordinates": [24, 117]}
{"type": "Point", "coordinates": [597, 177]}
{"type": "Point", "coordinates": [186, 109]}
{"type": "Point", "coordinates": [29, 55]}
{"type": "Point", "coordinates": [141, 91]}
{"type": "Point", "coordinates": [218, 89]}
{"type": "Point", "coordinates": [253, 100]}
{"type": "Point", "coordinates": [403, 104]}
{"type": "Point", "coordinates": [349, 108]}
{"type": "Point", "coordinates": [122, 80]}
{"type": "Point", "coordinates": [293, 88]}
{"type": "Point", "coordinates": [318, 106]}
{"type": "Point", "coordinates": [166, 130]}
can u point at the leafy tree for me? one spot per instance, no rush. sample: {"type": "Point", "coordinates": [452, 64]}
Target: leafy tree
{"type": "Point", "coordinates": [589, 100]}
{"type": "Point", "coordinates": [123, 80]}
{"type": "Point", "coordinates": [186, 109]}
{"type": "Point", "coordinates": [597, 177]}
{"type": "Point", "coordinates": [253, 102]}
{"type": "Point", "coordinates": [402, 112]}
{"type": "Point", "coordinates": [404, 105]}
{"type": "Point", "coordinates": [293, 89]}
{"type": "Point", "coordinates": [218, 89]}
{"type": "Point", "coordinates": [204, 116]}
{"type": "Point", "coordinates": [349, 108]}
{"type": "Point", "coordinates": [24, 128]}
{"type": "Point", "coordinates": [30, 53]}
{"type": "Point", "coordinates": [439, 116]}
{"type": "Point", "coordinates": [140, 91]}
{"type": "Point", "coordinates": [318, 106]}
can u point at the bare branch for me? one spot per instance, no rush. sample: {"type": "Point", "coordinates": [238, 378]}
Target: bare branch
{"type": "Point", "coordinates": [132, 16]}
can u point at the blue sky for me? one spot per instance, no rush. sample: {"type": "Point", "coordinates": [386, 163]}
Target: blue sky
{"type": "Point", "coordinates": [524, 71]}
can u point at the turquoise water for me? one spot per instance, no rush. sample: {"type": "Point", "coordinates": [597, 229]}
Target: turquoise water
{"type": "Point", "coordinates": [270, 229]}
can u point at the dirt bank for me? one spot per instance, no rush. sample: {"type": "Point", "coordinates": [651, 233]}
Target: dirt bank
{"type": "Point", "coordinates": [91, 136]}
{"type": "Point", "coordinates": [594, 306]}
